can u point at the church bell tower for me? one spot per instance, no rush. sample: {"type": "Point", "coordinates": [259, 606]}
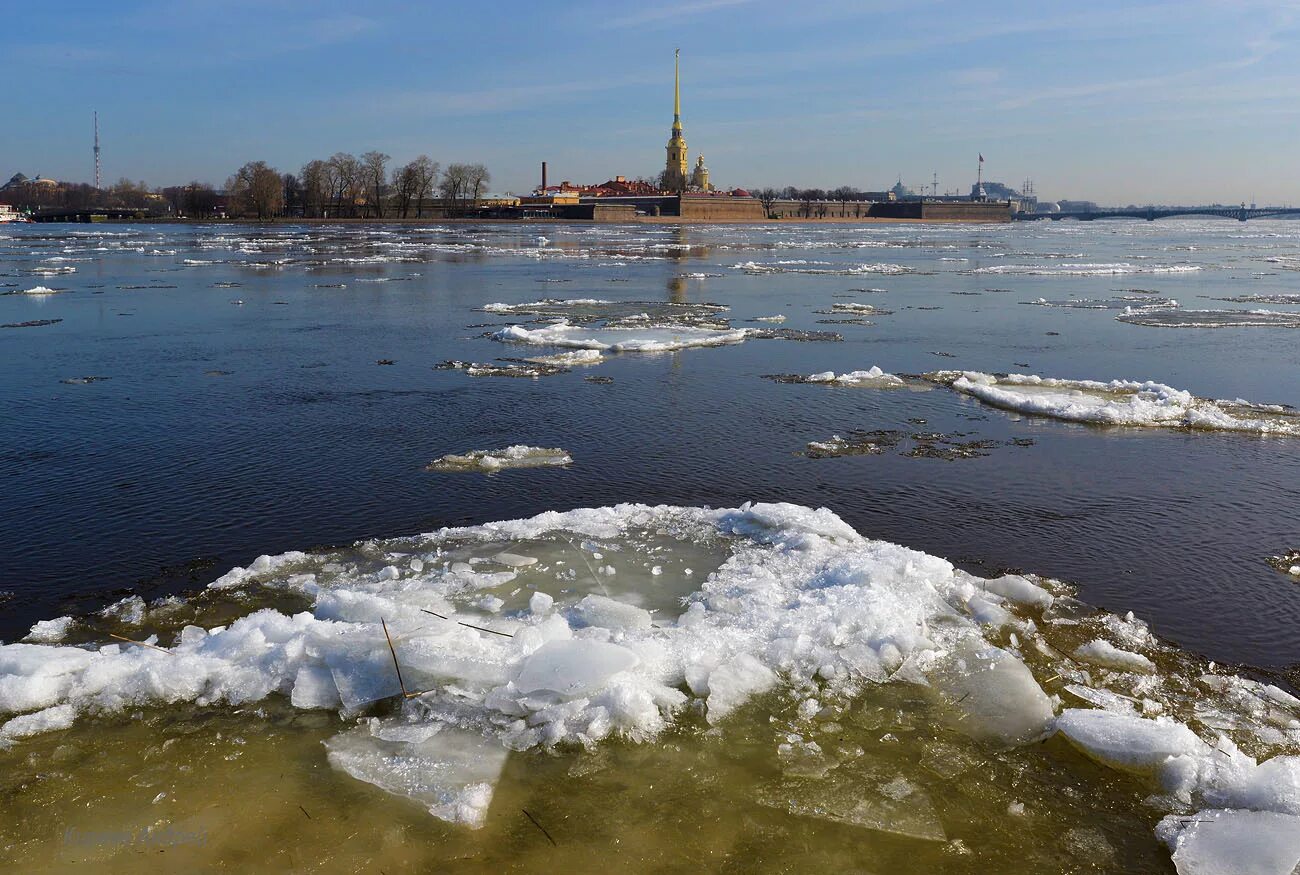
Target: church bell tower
{"type": "Point", "coordinates": [675, 167]}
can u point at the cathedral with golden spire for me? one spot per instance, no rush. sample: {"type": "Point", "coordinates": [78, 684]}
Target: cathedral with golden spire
{"type": "Point", "coordinates": [675, 168]}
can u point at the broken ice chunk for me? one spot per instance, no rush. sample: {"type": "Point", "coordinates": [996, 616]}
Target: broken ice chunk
{"type": "Point", "coordinates": [314, 688]}
{"type": "Point", "coordinates": [995, 696]}
{"type": "Point", "coordinates": [514, 560]}
{"type": "Point", "coordinates": [1221, 842]}
{"type": "Point", "coordinates": [1020, 590]}
{"type": "Point", "coordinates": [452, 772]}
{"type": "Point", "coordinates": [1129, 743]}
{"type": "Point", "coordinates": [731, 683]}
{"type": "Point", "coordinates": [573, 668]}
{"type": "Point", "coordinates": [607, 613]}
{"type": "Point", "coordinates": [1103, 653]}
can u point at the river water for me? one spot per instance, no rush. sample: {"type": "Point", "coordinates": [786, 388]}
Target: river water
{"type": "Point", "coordinates": [258, 390]}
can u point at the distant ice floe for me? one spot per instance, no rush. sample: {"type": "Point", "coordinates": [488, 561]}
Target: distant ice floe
{"type": "Point", "coordinates": [873, 378]}
{"type": "Point", "coordinates": [1128, 303]}
{"type": "Point", "coordinates": [1077, 269]}
{"type": "Point", "coordinates": [37, 290]}
{"type": "Point", "coordinates": [1280, 298]}
{"type": "Point", "coordinates": [812, 267]}
{"type": "Point", "coordinates": [1121, 402]}
{"type": "Point", "coordinates": [778, 318]}
{"type": "Point", "coordinates": [650, 339]}
{"type": "Point", "coordinates": [544, 303]}
{"type": "Point", "coordinates": [520, 634]}
{"type": "Point", "coordinates": [1211, 318]}
{"type": "Point", "coordinates": [517, 456]}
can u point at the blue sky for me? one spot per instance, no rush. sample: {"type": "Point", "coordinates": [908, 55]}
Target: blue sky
{"type": "Point", "coordinates": [1113, 101]}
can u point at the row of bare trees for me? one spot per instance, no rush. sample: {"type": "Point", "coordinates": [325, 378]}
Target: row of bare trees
{"type": "Point", "coordinates": [347, 186]}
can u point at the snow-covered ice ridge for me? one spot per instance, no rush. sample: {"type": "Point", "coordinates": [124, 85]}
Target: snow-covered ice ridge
{"type": "Point", "coordinates": [800, 603]}
{"type": "Point", "coordinates": [1121, 402]}
{"type": "Point", "coordinates": [648, 339]}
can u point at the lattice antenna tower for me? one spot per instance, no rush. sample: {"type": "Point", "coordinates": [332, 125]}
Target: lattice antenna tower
{"type": "Point", "coordinates": [97, 180]}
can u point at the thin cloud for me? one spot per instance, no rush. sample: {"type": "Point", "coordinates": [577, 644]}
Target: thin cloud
{"type": "Point", "coordinates": [659, 14]}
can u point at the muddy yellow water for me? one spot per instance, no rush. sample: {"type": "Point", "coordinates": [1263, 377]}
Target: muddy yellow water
{"type": "Point", "coordinates": [879, 787]}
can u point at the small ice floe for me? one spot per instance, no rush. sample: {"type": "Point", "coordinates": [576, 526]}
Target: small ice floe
{"type": "Point", "coordinates": [50, 631]}
{"type": "Point", "coordinates": [1279, 298]}
{"type": "Point", "coordinates": [1074, 269]}
{"type": "Point", "coordinates": [530, 307]}
{"type": "Point", "coordinates": [1120, 402]}
{"type": "Point", "coordinates": [517, 456]}
{"type": "Point", "coordinates": [779, 317]}
{"type": "Point", "coordinates": [1129, 304]}
{"type": "Point", "coordinates": [82, 381]}
{"type": "Point", "coordinates": [820, 268]}
{"type": "Point", "coordinates": [1287, 563]}
{"type": "Point", "coordinates": [856, 309]}
{"type": "Point", "coordinates": [574, 358]}
{"type": "Point", "coordinates": [504, 368]}
{"type": "Point", "coordinates": [1210, 318]}
{"type": "Point", "coordinates": [649, 339]}
{"type": "Point", "coordinates": [31, 323]}
{"type": "Point", "coordinates": [872, 378]}
{"type": "Point", "coordinates": [39, 291]}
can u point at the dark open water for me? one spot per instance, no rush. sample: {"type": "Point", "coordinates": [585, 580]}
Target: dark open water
{"type": "Point", "coordinates": [162, 476]}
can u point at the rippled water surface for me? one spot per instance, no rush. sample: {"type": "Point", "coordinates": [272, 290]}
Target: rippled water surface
{"type": "Point", "coordinates": [181, 399]}
{"type": "Point", "coordinates": [225, 430]}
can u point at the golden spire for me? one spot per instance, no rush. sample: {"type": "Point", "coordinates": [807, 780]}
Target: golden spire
{"type": "Point", "coordinates": [677, 90]}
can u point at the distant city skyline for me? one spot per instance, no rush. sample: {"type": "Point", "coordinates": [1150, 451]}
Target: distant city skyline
{"type": "Point", "coordinates": [1115, 102]}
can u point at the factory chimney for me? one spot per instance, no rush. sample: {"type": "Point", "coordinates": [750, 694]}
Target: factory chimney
{"type": "Point", "coordinates": [543, 177]}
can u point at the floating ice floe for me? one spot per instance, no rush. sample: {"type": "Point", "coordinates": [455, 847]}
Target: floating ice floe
{"type": "Point", "coordinates": [873, 378]}
{"type": "Point", "coordinates": [1129, 304]}
{"type": "Point", "coordinates": [649, 339]}
{"type": "Point", "coordinates": [1083, 269]}
{"type": "Point", "coordinates": [811, 267]}
{"type": "Point", "coordinates": [1287, 563]}
{"type": "Point", "coordinates": [1210, 318]}
{"type": "Point", "coordinates": [516, 635]}
{"type": "Point", "coordinates": [857, 309]}
{"type": "Point", "coordinates": [517, 456]}
{"type": "Point", "coordinates": [545, 303]}
{"type": "Point", "coordinates": [1279, 298]}
{"type": "Point", "coordinates": [1121, 402]}
{"type": "Point", "coordinates": [575, 358]}
{"type": "Point", "coordinates": [504, 368]}
{"type": "Point", "coordinates": [38, 291]}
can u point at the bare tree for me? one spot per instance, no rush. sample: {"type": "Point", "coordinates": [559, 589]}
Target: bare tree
{"type": "Point", "coordinates": [349, 184]}
{"type": "Point", "coordinates": [403, 187]}
{"type": "Point", "coordinates": [767, 197]}
{"type": "Point", "coordinates": [426, 177]}
{"type": "Point", "coordinates": [316, 190]}
{"type": "Point", "coordinates": [256, 188]}
{"type": "Point", "coordinates": [454, 185]}
{"type": "Point", "coordinates": [477, 181]}
{"type": "Point", "coordinates": [374, 166]}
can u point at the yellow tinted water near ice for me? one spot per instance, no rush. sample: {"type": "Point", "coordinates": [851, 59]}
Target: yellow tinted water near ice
{"type": "Point", "coordinates": [888, 781]}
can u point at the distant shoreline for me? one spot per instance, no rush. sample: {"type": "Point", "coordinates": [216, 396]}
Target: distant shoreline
{"type": "Point", "coordinates": [640, 220]}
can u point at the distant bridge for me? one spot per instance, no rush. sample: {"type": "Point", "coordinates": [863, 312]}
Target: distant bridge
{"type": "Point", "coordinates": [1241, 214]}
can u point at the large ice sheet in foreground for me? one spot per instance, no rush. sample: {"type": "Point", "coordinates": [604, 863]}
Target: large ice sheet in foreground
{"type": "Point", "coordinates": [801, 604]}
{"type": "Point", "coordinates": [1121, 402]}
